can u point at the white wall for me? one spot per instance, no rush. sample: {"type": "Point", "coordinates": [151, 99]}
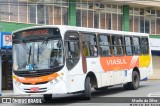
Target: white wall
{"type": "Point", "coordinates": [155, 44]}
{"type": "Point", "coordinates": [156, 67]}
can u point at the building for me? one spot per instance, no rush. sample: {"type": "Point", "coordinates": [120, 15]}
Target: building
{"type": "Point", "coordinates": [126, 15]}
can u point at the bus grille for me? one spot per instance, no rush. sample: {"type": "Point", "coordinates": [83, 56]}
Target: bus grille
{"type": "Point", "coordinates": [41, 90]}
{"type": "Point", "coordinates": [37, 73]}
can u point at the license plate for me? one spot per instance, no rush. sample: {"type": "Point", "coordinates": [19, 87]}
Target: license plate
{"type": "Point", "coordinates": [34, 89]}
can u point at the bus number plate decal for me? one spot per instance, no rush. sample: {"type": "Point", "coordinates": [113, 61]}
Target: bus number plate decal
{"type": "Point", "coordinates": [34, 89]}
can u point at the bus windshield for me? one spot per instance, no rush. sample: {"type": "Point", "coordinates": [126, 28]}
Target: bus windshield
{"type": "Point", "coordinates": [39, 55]}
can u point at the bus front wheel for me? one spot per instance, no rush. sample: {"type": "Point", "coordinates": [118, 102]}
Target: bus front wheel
{"type": "Point", "coordinates": [87, 89]}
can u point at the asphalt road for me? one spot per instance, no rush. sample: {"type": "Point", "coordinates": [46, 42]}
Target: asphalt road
{"type": "Point", "coordinates": [106, 97]}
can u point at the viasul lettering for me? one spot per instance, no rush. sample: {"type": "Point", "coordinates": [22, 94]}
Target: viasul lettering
{"type": "Point", "coordinates": [116, 61]}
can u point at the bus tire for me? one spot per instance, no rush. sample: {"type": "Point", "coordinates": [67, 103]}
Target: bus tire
{"type": "Point", "coordinates": [135, 81]}
{"type": "Point", "coordinates": [47, 97]}
{"type": "Point", "coordinates": [87, 89]}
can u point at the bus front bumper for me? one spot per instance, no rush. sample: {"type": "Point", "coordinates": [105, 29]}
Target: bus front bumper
{"type": "Point", "coordinates": [48, 88]}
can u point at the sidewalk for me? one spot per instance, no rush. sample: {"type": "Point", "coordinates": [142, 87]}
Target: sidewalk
{"type": "Point", "coordinates": [7, 93]}
{"type": "Point", "coordinates": [154, 94]}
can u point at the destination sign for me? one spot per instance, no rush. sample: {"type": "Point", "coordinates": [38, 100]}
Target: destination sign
{"type": "Point", "coordinates": [37, 33]}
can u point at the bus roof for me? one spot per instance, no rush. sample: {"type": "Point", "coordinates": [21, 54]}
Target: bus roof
{"type": "Point", "coordinates": [64, 28]}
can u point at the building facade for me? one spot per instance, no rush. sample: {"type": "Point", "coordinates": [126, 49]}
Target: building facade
{"type": "Point", "coordinates": [82, 13]}
{"type": "Point", "coordinates": [118, 15]}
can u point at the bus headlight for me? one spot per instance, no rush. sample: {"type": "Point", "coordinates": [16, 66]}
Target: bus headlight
{"type": "Point", "coordinates": [51, 82]}
{"type": "Point", "coordinates": [17, 83]}
{"type": "Point", "coordinates": [56, 80]}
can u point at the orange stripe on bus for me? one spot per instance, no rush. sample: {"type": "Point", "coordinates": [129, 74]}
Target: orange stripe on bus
{"type": "Point", "coordinates": [35, 80]}
{"type": "Point", "coordinates": [119, 63]}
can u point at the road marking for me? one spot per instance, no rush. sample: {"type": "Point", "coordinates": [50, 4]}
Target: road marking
{"type": "Point", "coordinates": [154, 94]}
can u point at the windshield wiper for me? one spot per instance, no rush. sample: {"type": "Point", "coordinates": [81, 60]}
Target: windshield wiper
{"type": "Point", "coordinates": [43, 45]}
{"type": "Point", "coordinates": [38, 54]}
{"type": "Point", "coordinates": [29, 55]}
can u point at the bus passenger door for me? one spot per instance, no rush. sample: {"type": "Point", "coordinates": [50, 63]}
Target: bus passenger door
{"type": "Point", "coordinates": [73, 62]}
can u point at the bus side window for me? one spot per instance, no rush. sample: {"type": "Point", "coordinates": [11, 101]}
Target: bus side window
{"type": "Point", "coordinates": [85, 49]}
{"type": "Point", "coordinates": [136, 45]}
{"type": "Point", "coordinates": [72, 49]}
{"type": "Point", "coordinates": [105, 45]}
{"type": "Point", "coordinates": [144, 45]}
{"type": "Point", "coordinates": [117, 43]}
{"type": "Point", "coordinates": [128, 45]}
{"type": "Point", "coordinates": [89, 45]}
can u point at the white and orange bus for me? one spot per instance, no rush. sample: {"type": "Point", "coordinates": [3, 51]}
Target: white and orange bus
{"type": "Point", "coordinates": [65, 59]}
